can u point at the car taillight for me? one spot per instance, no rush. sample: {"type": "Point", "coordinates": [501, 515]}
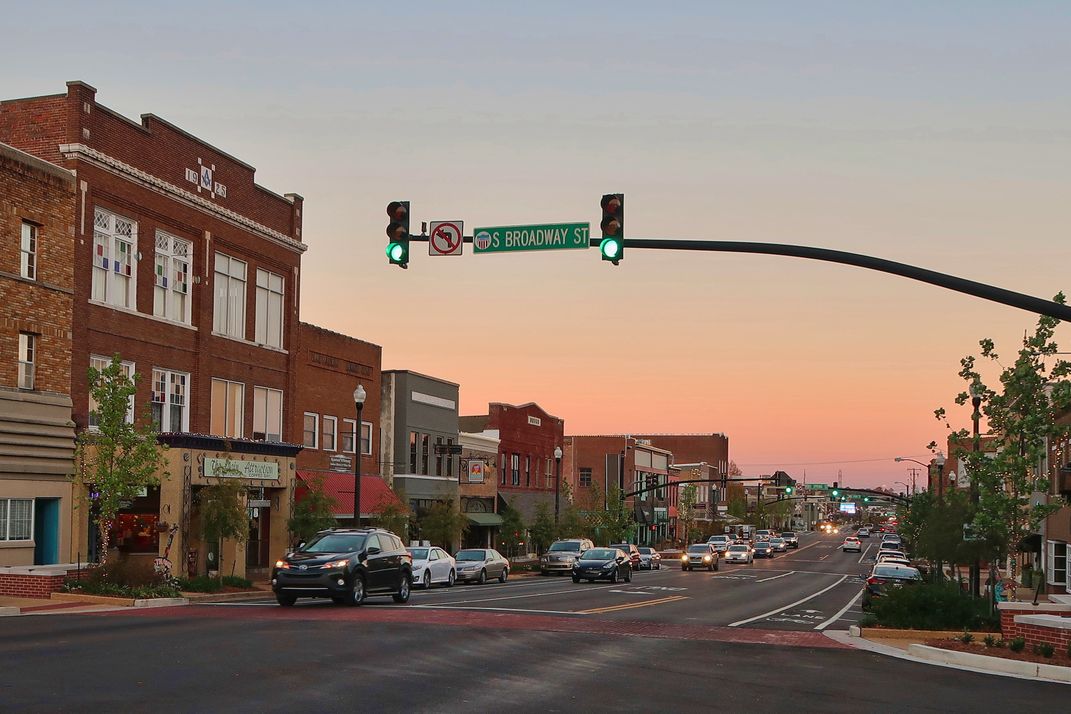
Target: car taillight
{"type": "Point", "coordinates": [875, 581]}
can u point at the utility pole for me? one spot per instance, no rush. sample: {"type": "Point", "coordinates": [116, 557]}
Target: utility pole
{"type": "Point", "coordinates": [914, 472]}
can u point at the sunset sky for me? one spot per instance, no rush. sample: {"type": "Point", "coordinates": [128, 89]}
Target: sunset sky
{"type": "Point", "coordinates": [935, 136]}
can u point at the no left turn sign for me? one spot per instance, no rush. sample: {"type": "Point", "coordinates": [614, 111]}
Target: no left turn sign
{"type": "Point", "coordinates": [446, 237]}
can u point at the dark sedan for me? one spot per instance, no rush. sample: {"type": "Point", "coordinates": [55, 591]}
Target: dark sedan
{"type": "Point", "coordinates": [764, 549]}
{"type": "Point", "coordinates": [603, 563]}
{"type": "Point", "coordinates": [885, 576]}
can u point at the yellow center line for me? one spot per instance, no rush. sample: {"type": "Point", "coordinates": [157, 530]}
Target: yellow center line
{"type": "Point", "coordinates": [632, 605]}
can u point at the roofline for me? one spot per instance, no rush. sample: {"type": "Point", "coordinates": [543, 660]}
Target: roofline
{"type": "Point", "coordinates": [40, 164]}
{"type": "Point", "coordinates": [188, 135]}
{"type": "Point", "coordinates": [302, 323]}
{"type": "Point", "coordinates": [421, 374]}
{"type": "Point", "coordinates": [29, 99]}
{"type": "Point", "coordinates": [526, 404]}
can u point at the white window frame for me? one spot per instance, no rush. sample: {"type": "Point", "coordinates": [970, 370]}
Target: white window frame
{"type": "Point", "coordinates": [235, 429]}
{"type": "Point", "coordinates": [171, 277]}
{"type": "Point", "coordinates": [1052, 560]}
{"type": "Point", "coordinates": [176, 385]}
{"type": "Point", "coordinates": [269, 326]}
{"type": "Point", "coordinates": [348, 433]}
{"type": "Point", "coordinates": [27, 360]}
{"type": "Point", "coordinates": [99, 362]}
{"type": "Point", "coordinates": [315, 431]}
{"type": "Point", "coordinates": [28, 251]}
{"type": "Point", "coordinates": [260, 414]}
{"type": "Point", "coordinates": [115, 249]}
{"type": "Point", "coordinates": [6, 520]}
{"type": "Point", "coordinates": [228, 304]}
{"type": "Point", "coordinates": [332, 432]}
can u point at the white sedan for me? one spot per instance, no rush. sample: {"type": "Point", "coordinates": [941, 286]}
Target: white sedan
{"type": "Point", "coordinates": [851, 543]}
{"type": "Point", "coordinates": [431, 566]}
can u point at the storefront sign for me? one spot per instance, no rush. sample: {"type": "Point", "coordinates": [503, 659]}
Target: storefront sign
{"type": "Point", "coordinates": [343, 464]}
{"type": "Point", "coordinates": [232, 468]}
{"type": "Point", "coordinates": [476, 470]}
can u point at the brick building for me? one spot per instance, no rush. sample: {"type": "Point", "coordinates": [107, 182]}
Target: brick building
{"type": "Point", "coordinates": [188, 270]}
{"type": "Point", "coordinates": [37, 202]}
{"type": "Point", "coordinates": [527, 437]}
{"type": "Point", "coordinates": [478, 488]}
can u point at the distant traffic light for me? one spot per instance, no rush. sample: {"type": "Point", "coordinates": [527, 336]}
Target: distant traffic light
{"type": "Point", "coordinates": [398, 233]}
{"type": "Point", "coordinates": [612, 246]}
{"type": "Point", "coordinates": [789, 490]}
{"type": "Point", "coordinates": [835, 493]}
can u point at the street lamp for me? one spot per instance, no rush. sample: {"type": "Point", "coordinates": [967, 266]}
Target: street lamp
{"type": "Point", "coordinates": [898, 459]}
{"type": "Point", "coordinates": [557, 482]}
{"type": "Point", "coordinates": [359, 395]}
{"type": "Point", "coordinates": [977, 390]}
{"type": "Point", "coordinates": [904, 485]}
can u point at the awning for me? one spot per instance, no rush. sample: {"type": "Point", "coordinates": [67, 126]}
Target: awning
{"type": "Point", "coordinates": [339, 488]}
{"type": "Point", "coordinates": [485, 519]}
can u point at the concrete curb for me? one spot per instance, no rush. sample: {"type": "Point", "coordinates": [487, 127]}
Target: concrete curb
{"type": "Point", "coordinates": [979, 667]}
{"type": "Point", "coordinates": [8, 611]}
{"type": "Point", "coordinates": [119, 601]}
{"type": "Point", "coordinates": [1027, 670]}
{"type": "Point", "coordinates": [195, 598]}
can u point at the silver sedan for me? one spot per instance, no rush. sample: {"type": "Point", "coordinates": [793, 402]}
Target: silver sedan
{"type": "Point", "coordinates": [478, 565]}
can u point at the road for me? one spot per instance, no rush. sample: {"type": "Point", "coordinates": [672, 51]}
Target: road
{"type": "Point", "coordinates": [747, 637]}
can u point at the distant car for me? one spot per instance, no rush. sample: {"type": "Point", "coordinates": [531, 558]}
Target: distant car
{"type": "Point", "coordinates": [763, 534]}
{"type": "Point", "coordinates": [851, 543]}
{"type": "Point", "coordinates": [739, 553]}
{"type": "Point", "coordinates": [631, 550]}
{"type": "Point", "coordinates": [763, 549]}
{"type": "Point", "coordinates": [893, 558]}
{"type": "Point", "coordinates": [791, 539]}
{"type": "Point", "coordinates": [700, 555]}
{"type": "Point", "coordinates": [721, 542]}
{"type": "Point", "coordinates": [895, 543]}
{"type": "Point", "coordinates": [779, 544]}
{"type": "Point", "coordinates": [650, 559]}
{"type": "Point", "coordinates": [431, 566]}
{"type": "Point", "coordinates": [613, 564]}
{"type": "Point", "coordinates": [481, 564]}
{"type": "Point", "coordinates": [890, 552]}
{"type": "Point", "coordinates": [863, 533]}
{"type": "Point", "coordinates": [885, 576]}
{"type": "Point", "coordinates": [561, 555]}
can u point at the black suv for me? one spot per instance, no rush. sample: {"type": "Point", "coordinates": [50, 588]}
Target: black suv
{"type": "Point", "coordinates": [346, 565]}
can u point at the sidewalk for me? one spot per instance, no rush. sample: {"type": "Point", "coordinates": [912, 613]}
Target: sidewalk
{"type": "Point", "coordinates": [32, 605]}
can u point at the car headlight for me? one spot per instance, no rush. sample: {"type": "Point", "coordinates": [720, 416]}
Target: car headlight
{"type": "Point", "coordinates": [684, 558]}
{"type": "Point", "coordinates": [706, 558]}
{"type": "Point", "coordinates": [282, 565]}
{"type": "Point", "coordinates": [336, 564]}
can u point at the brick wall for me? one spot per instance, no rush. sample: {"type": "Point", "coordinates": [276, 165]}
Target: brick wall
{"type": "Point", "coordinates": [29, 585]}
{"type": "Point", "coordinates": [1009, 628]}
{"type": "Point", "coordinates": [37, 125]}
{"type": "Point", "coordinates": [1039, 634]}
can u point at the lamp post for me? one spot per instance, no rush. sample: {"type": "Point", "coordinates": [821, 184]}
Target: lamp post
{"type": "Point", "coordinates": [925, 466]}
{"type": "Point", "coordinates": [906, 487]}
{"type": "Point", "coordinates": [557, 484]}
{"type": "Point", "coordinates": [359, 395]}
{"type": "Point", "coordinates": [977, 390]}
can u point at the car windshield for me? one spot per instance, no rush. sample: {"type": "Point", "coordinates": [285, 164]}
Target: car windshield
{"type": "Point", "coordinates": [788, 534]}
{"type": "Point", "coordinates": [698, 549]}
{"type": "Point", "coordinates": [738, 549]}
{"type": "Point", "coordinates": [898, 572]}
{"type": "Point", "coordinates": [775, 541]}
{"type": "Point", "coordinates": [762, 544]}
{"type": "Point", "coordinates": [718, 539]}
{"type": "Point", "coordinates": [647, 551]}
{"type": "Point", "coordinates": [570, 546]}
{"type": "Point", "coordinates": [418, 553]}
{"type": "Point", "coordinates": [471, 555]}
{"type": "Point", "coordinates": [600, 554]}
{"type": "Point", "coordinates": [336, 543]}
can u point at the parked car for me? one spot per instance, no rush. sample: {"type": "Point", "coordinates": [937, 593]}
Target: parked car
{"type": "Point", "coordinates": [791, 539]}
{"type": "Point", "coordinates": [739, 553]}
{"type": "Point", "coordinates": [720, 542]}
{"type": "Point", "coordinates": [893, 558]}
{"type": "Point", "coordinates": [863, 533]}
{"type": "Point", "coordinates": [613, 564]}
{"type": "Point", "coordinates": [763, 549]}
{"type": "Point", "coordinates": [631, 550]}
{"type": "Point", "coordinates": [700, 555]}
{"type": "Point", "coordinates": [481, 564]}
{"type": "Point", "coordinates": [650, 559]}
{"type": "Point", "coordinates": [894, 543]}
{"type": "Point", "coordinates": [890, 552]}
{"type": "Point", "coordinates": [852, 543]}
{"type": "Point", "coordinates": [346, 565]}
{"type": "Point", "coordinates": [561, 555]}
{"type": "Point", "coordinates": [431, 566]}
{"type": "Point", "coordinates": [779, 544]}
{"type": "Point", "coordinates": [885, 576]}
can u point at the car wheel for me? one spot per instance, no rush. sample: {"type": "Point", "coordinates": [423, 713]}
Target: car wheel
{"type": "Point", "coordinates": [505, 574]}
{"type": "Point", "coordinates": [483, 577]}
{"type": "Point", "coordinates": [683, 568]}
{"type": "Point", "coordinates": [576, 579]}
{"type": "Point", "coordinates": [402, 596]}
{"type": "Point", "coordinates": [427, 580]}
{"type": "Point", "coordinates": [285, 600]}
{"type": "Point", "coordinates": [451, 580]}
{"type": "Point", "coordinates": [356, 596]}
{"type": "Point", "coordinates": [628, 576]}
{"type": "Point", "coordinates": [659, 566]}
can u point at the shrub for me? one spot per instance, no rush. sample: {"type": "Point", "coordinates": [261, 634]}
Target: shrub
{"type": "Point", "coordinates": [869, 620]}
{"type": "Point", "coordinates": [123, 578]}
{"type": "Point", "coordinates": [200, 584]}
{"type": "Point", "coordinates": [966, 638]}
{"type": "Point", "coordinates": [1044, 649]}
{"type": "Point", "coordinates": [932, 606]}
{"type": "Point", "coordinates": [236, 582]}
{"type": "Point", "coordinates": [990, 641]}
{"type": "Point", "coordinates": [1017, 644]}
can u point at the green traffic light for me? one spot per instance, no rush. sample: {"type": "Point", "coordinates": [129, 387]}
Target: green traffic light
{"type": "Point", "coordinates": [835, 493]}
{"type": "Point", "coordinates": [611, 249]}
{"type": "Point", "coordinates": [397, 253]}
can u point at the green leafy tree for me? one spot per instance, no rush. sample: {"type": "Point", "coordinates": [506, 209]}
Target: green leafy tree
{"type": "Point", "coordinates": [686, 511]}
{"type": "Point", "coordinates": [1021, 409]}
{"type": "Point", "coordinates": [119, 459]}
{"type": "Point", "coordinates": [313, 513]}
{"type": "Point", "coordinates": [512, 532]}
{"type": "Point", "coordinates": [394, 517]}
{"type": "Point", "coordinates": [571, 522]}
{"type": "Point", "coordinates": [614, 523]}
{"type": "Point", "coordinates": [736, 500]}
{"type": "Point", "coordinates": [443, 524]}
{"type": "Point", "coordinates": [223, 512]}
{"type": "Point", "coordinates": [542, 532]}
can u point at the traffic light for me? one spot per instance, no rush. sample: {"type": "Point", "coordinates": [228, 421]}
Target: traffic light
{"type": "Point", "coordinates": [612, 246]}
{"type": "Point", "coordinates": [398, 233]}
{"type": "Point", "coordinates": [835, 493]}
{"type": "Point", "coordinates": [789, 490]}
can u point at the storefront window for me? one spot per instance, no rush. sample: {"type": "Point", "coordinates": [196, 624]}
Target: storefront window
{"type": "Point", "coordinates": [134, 528]}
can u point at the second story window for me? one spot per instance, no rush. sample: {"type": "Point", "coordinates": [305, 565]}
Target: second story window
{"type": "Point", "coordinates": [171, 296]}
{"type": "Point", "coordinates": [311, 431]}
{"type": "Point", "coordinates": [115, 241]}
{"type": "Point", "coordinates": [228, 408]}
{"type": "Point", "coordinates": [330, 432]}
{"type": "Point", "coordinates": [170, 408]}
{"type": "Point", "coordinates": [100, 364]}
{"type": "Point", "coordinates": [269, 328]}
{"type": "Point", "coordinates": [228, 316]}
{"type": "Point", "coordinates": [585, 477]}
{"type": "Point", "coordinates": [28, 251]}
{"type": "Point", "coordinates": [27, 359]}
{"type": "Point", "coordinates": [267, 414]}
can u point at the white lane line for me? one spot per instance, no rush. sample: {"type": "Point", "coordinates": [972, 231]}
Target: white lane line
{"type": "Point", "coordinates": [782, 575]}
{"type": "Point", "coordinates": [843, 610]}
{"type": "Point", "coordinates": [786, 607]}
{"type": "Point", "coordinates": [823, 557]}
{"type": "Point", "coordinates": [490, 609]}
{"type": "Point", "coordinates": [864, 553]}
{"type": "Point", "coordinates": [574, 590]}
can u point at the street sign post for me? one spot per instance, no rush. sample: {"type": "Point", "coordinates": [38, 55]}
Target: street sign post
{"type": "Point", "coordinates": [551, 236]}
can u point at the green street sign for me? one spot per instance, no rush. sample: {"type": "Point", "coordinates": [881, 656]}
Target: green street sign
{"type": "Point", "coordinates": [817, 486]}
{"type": "Point", "coordinates": [552, 236]}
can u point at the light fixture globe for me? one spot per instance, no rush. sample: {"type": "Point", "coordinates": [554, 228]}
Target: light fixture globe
{"type": "Point", "coordinates": [359, 395]}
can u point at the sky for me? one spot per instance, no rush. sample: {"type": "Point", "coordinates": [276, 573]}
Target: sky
{"type": "Point", "coordinates": [934, 134]}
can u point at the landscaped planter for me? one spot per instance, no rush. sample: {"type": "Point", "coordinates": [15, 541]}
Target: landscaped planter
{"type": "Point", "coordinates": [119, 601]}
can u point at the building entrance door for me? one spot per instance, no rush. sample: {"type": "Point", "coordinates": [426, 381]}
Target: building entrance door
{"type": "Point", "coordinates": [256, 552]}
{"type": "Point", "coordinates": [46, 531]}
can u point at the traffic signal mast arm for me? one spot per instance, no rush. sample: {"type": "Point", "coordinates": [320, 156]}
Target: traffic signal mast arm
{"type": "Point", "coordinates": [714, 481]}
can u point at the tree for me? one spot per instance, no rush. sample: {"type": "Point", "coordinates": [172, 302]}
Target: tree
{"type": "Point", "coordinates": [736, 498]}
{"type": "Point", "coordinates": [119, 458]}
{"type": "Point", "coordinates": [442, 524]}
{"type": "Point", "coordinates": [615, 523]}
{"type": "Point", "coordinates": [223, 512]}
{"type": "Point", "coordinates": [512, 532]}
{"type": "Point", "coordinates": [1021, 411]}
{"type": "Point", "coordinates": [686, 510]}
{"type": "Point", "coordinates": [313, 513]}
{"type": "Point", "coordinates": [734, 470]}
{"type": "Point", "coordinates": [571, 523]}
{"type": "Point", "coordinates": [542, 531]}
{"type": "Point", "coordinates": [392, 516]}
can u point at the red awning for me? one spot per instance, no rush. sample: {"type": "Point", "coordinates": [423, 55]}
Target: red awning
{"type": "Point", "coordinates": [339, 487]}
{"type": "Point", "coordinates": [672, 511]}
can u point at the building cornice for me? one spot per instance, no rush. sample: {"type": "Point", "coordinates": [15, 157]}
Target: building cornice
{"type": "Point", "coordinates": [124, 170]}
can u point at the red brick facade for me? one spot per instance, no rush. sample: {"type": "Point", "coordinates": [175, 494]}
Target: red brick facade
{"type": "Point", "coordinates": [31, 585]}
